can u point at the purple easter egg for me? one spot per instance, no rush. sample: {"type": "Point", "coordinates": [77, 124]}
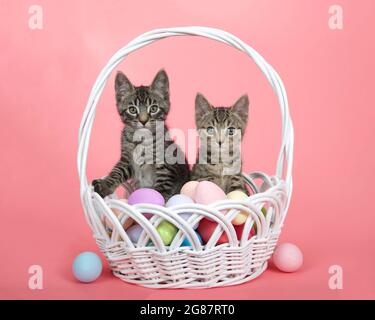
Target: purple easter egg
{"type": "Point", "coordinates": [146, 195]}
{"type": "Point", "coordinates": [134, 232]}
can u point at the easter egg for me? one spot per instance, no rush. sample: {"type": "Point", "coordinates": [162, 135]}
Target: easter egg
{"type": "Point", "coordinates": [264, 211]}
{"type": "Point", "coordinates": [134, 232]}
{"type": "Point", "coordinates": [87, 267]}
{"type": "Point", "coordinates": [241, 217]}
{"type": "Point", "coordinates": [129, 222]}
{"type": "Point", "coordinates": [239, 230]}
{"type": "Point", "coordinates": [186, 242]}
{"type": "Point", "coordinates": [179, 199]}
{"type": "Point", "coordinates": [146, 195]}
{"type": "Point", "coordinates": [188, 188]}
{"type": "Point", "coordinates": [109, 224]}
{"type": "Point", "coordinates": [287, 257]}
{"type": "Point", "coordinates": [208, 192]}
{"type": "Point", "coordinates": [207, 227]}
{"type": "Point", "coordinates": [167, 231]}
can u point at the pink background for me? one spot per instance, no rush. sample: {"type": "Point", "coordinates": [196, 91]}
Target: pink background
{"type": "Point", "coordinates": [46, 76]}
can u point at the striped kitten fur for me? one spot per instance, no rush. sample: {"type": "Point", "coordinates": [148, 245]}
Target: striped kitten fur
{"type": "Point", "coordinates": [144, 109]}
{"type": "Point", "coordinates": [220, 131]}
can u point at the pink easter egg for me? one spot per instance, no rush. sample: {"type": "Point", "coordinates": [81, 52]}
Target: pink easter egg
{"type": "Point", "coordinates": [188, 188]}
{"type": "Point", "coordinates": [287, 257]}
{"type": "Point", "coordinates": [208, 192]}
{"type": "Point", "coordinates": [146, 195]}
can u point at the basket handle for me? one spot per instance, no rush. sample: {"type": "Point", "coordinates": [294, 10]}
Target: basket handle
{"type": "Point", "coordinates": [285, 159]}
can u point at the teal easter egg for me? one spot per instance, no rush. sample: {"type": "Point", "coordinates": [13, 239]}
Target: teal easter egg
{"type": "Point", "coordinates": [186, 242]}
{"type": "Point", "coordinates": [87, 267]}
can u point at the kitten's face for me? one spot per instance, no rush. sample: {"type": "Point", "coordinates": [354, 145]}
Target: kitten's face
{"type": "Point", "coordinates": [142, 107]}
{"type": "Point", "coordinates": [223, 125]}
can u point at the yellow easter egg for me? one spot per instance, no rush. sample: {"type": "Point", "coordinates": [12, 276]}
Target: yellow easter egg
{"type": "Point", "coordinates": [109, 224]}
{"type": "Point", "coordinates": [242, 216]}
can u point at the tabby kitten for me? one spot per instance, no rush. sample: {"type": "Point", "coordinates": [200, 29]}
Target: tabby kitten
{"type": "Point", "coordinates": [143, 110]}
{"type": "Point", "coordinates": [220, 131]}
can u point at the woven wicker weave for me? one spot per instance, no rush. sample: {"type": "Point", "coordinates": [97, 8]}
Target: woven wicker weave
{"type": "Point", "coordinates": [211, 265]}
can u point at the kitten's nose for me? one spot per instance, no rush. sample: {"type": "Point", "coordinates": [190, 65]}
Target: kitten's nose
{"type": "Point", "coordinates": [143, 117]}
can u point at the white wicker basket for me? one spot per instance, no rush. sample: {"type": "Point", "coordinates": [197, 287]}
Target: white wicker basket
{"type": "Point", "coordinates": [210, 265]}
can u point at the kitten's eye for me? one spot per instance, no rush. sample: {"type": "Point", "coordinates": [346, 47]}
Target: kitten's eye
{"type": "Point", "coordinates": [154, 109]}
{"type": "Point", "coordinates": [132, 110]}
{"type": "Point", "coordinates": [210, 130]}
{"type": "Point", "coordinates": [231, 131]}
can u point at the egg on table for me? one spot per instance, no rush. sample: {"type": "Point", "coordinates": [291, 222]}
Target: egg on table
{"type": "Point", "coordinates": [287, 257]}
{"type": "Point", "coordinates": [87, 267]}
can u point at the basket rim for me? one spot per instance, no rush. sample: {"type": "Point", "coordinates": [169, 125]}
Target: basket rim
{"type": "Point", "coordinates": [265, 223]}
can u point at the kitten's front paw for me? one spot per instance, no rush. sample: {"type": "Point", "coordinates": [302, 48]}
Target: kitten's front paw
{"type": "Point", "coordinates": [101, 187]}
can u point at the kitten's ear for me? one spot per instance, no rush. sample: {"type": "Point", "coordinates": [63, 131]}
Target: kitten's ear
{"type": "Point", "coordinates": [160, 84]}
{"type": "Point", "coordinates": [123, 86]}
{"type": "Point", "coordinates": [241, 107]}
{"type": "Point", "coordinates": [202, 106]}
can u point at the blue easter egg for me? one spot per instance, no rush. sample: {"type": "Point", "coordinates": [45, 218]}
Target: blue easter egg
{"type": "Point", "coordinates": [179, 199]}
{"type": "Point", "coordinates": [186, 242]}
{"type": "Point", "coordinates": [87, 267]}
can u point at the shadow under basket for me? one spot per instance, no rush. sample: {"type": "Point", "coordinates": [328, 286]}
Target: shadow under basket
{"type": "Point", "coordinates": [197, 266]}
